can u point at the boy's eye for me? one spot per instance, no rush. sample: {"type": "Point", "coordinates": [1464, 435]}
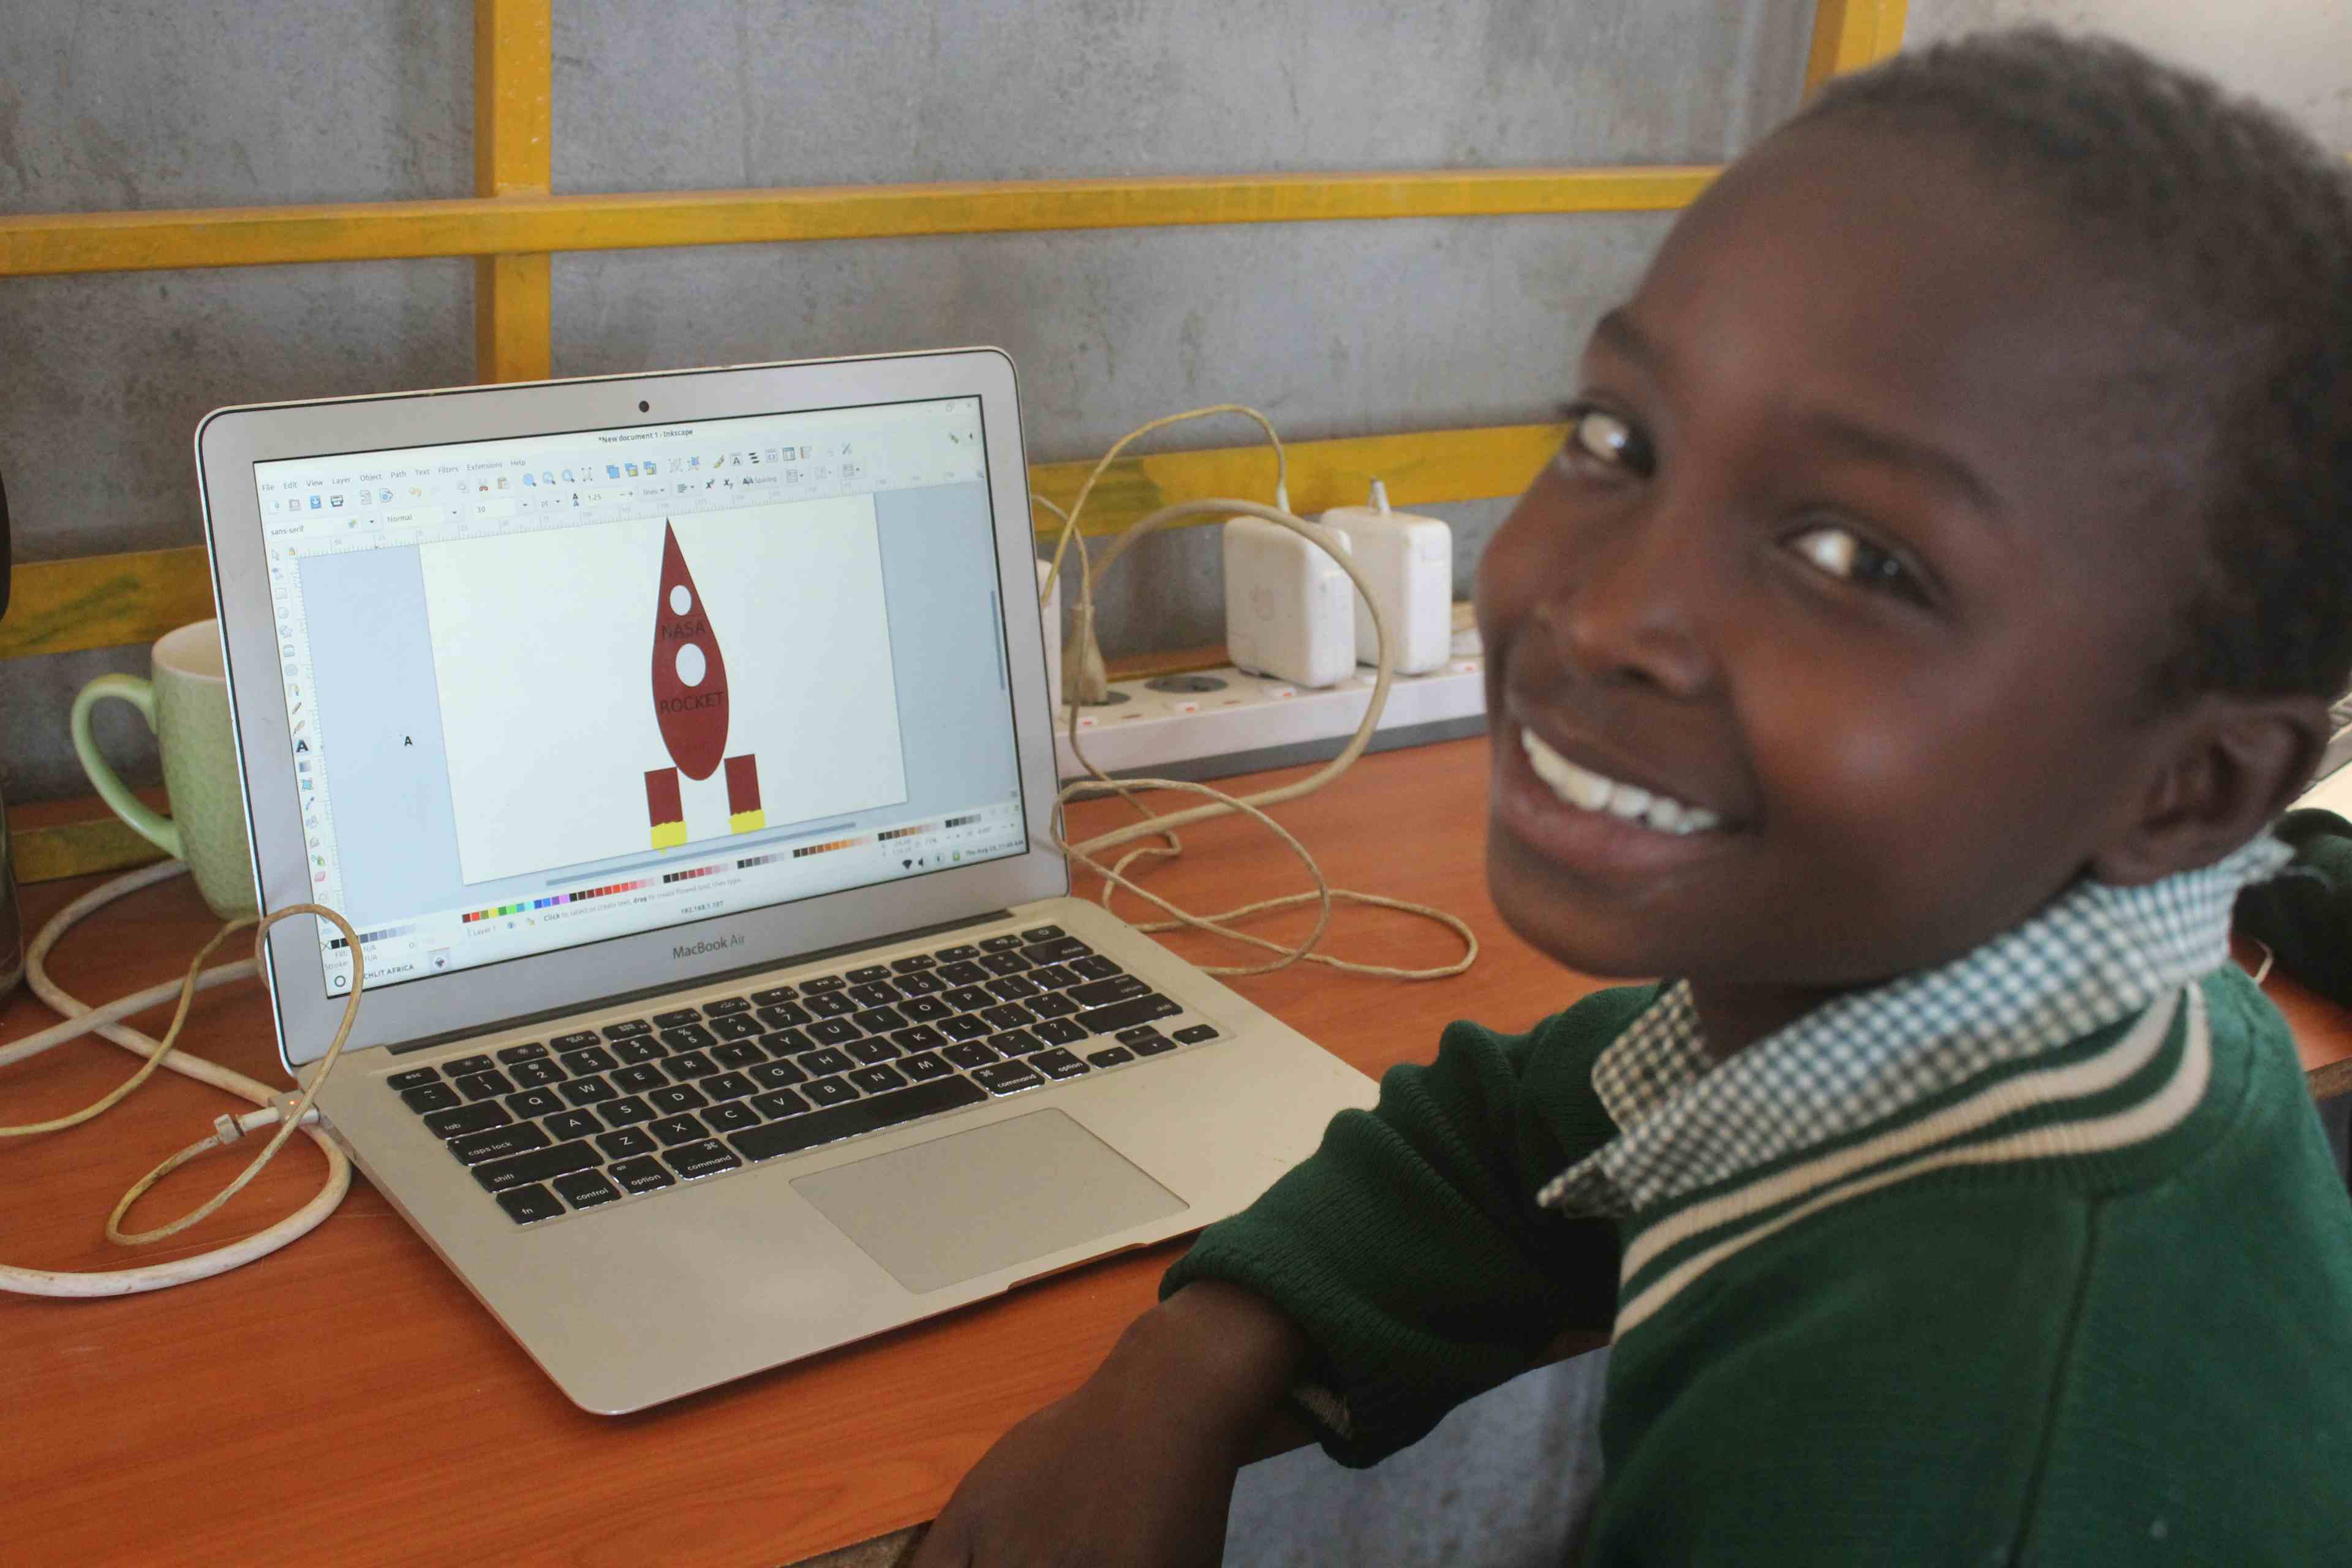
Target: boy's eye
{"type": "Point", "coordinates": [1597, 436]}
{"type": "Point", "coordinates": [1846, 555]}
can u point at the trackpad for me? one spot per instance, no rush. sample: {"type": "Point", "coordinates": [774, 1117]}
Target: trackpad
{"type": "Point", "coordinates": [956, 1208]}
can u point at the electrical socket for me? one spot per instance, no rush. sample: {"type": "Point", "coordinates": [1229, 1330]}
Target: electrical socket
{"type": "Point", "coordinates": [1158, 727]}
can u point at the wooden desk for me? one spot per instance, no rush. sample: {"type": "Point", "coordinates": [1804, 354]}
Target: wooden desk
{"type": "Point", "coordinates": [346, 1400]}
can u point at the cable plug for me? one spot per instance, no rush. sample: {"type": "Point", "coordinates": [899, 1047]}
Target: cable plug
{"type": "Point", "coordinates": [1084, 678]}
{"type": "Point", "coordinates": [228, 1130]}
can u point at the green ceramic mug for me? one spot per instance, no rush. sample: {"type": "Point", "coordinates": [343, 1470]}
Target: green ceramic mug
{"type": "Point", "coordinates": [186, 704]}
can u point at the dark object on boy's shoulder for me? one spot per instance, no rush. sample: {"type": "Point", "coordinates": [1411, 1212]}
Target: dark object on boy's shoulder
{"type": "Point", "coordinates": [2303, 915]}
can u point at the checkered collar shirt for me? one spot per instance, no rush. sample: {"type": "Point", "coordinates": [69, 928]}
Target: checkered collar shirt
{"type": "Point", "coordinates": [2096, 955]}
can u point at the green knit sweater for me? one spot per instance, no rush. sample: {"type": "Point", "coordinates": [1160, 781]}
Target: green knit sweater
{"type": "Point", "coordinates": [2093, 1307]}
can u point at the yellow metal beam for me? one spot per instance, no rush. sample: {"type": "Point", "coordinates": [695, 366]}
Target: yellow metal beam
{"type": "Point", "coordinates": [37, 244]}
{"type": "Point", "coordinates": [107, 601]}
{"type": "Point", "coordinates": [513, 156]}
{"type": "Point", "coordinates": [1849, 35]}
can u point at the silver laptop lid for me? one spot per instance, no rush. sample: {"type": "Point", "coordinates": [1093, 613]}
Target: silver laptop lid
{"type": "Point", "coordinates": [577, 689]}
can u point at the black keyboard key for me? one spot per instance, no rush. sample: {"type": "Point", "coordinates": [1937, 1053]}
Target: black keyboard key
{"type": "Point", "coordinates": [1192, 1034]}
{"type": "Point", "coordinates": [1015, 988]}
{"type": "Point", "coordinates": [1036, 934]}
{"type": "Point", "coordinates": [732, 1116]}
{"type": "Point", "coordinates": [775, 994]}
{"type": "Point", "coordinates": [727, 1086]}
{"type": "Point", "coordinates": [485, 1085]}
{"type": "Point", "coordinates": [833, 1031]}
{"type": "Point", "coordinates": [1094, 966]}
{"type": "Point", "coordinates": [1053, 977]}
{"type": "Point", "coordinates": [1009, 1016]}
{"type": "Point", "coordinates": [830, 1091]}
{"type": "Point", "coordinates": [739, 1054]}
{"type": "Point", "coordinates": [529, 1206]}
{"type": "Point", "coordinates": [1150, 1043]}
{"type": "Point", "coordinates": [627, 1030]}
{"type": "Point", "coordinates": [914, 964]}
{"type": "Point", "coordinates": [574, 1040]}
{"type": "Point", "coordinates": [459, 1066]}
{"type": "Point", "coordinates": [824, 1061]}
{"type": "Point", "coordinates": [829, 1004]}
{"type": "Point", "coordinates": [1002, 962]}
{"type": "Point", "coordinates": [591, 1058]}
{"type": "Point", "coordinates": [586, 1189]}
{"type": "Point", "coordinates": [671, 1099]}
{"type": "Point", "coordinates": [879, 1080]}
{"type": "Point", "coordinates": [1103, 993]}
{"type": "Point", "coordinates": [820, 985]}
{"type": "Point", "coordinates": [964, 973]}
{"type": "Point", "coordinates": [964, 1026]}
{"type": "Point", "coordinates": [674, 1131]}
{"type": "Point", "coordinates": [970, 1054]}
{"type": "Point", "coordinates": [539, 1165]}
{"type": "Point", "coordinates": [641, 1175]}
{"type": "Point", "coordinates": [921, 984]}
{"type": "Point", "coordinates": [573, 1124]}
{"type": "Point", "coordinates": [628, 1112]}
{"type": "Point", "coordinates": [957, 954]}
{"type": "Point", "coordinates": [689, 1037]}
{"type": "Point", "coordinates": [926, 1009]}
{"type": "Point", "coordinates": [413, 1076]}
{"type": "Point", "coordinates": [795, 1134]}
{"type": "Point", "coordinates": [873, 993]}
{"type": "Point", "coordinates": [535, 1075]}
{"type": "Point", "coordinates": [1007, 1077]}
{"type": "Point", "coordinates": [881, 1020]}
{"type": "Point", "coordinates": [968, 999]}
{"type": "Point", "coordinates": [777, 1102]}
{"type": "Point", "coordinates": [626, 1142]}
{"type": "Point", "coordinates": [1004, 944]}
{"type": "Point", "coordinates": [1051, 1006]}
{"type": "Point", "coordinates": [1143, 1009]}
{"type": "Point", "coordinates": [677, 1016]}
{"type": "Point", "coordinates": [874, 1050]}
{"type": "Point", "coordinates": [533, 1102]}
{"type": "Point", "coordinates": [1111, 1056]}
{"type": "Point", "coordinates": [777, 1075]}
{"type": "Point", "coordinates": [705, 1159]}
{"type": "Point", "coordinates": [725, 1005]}
{"type": "Point", "coordinates": [689, 1065]}
{"type": "Point", "coordinates": [784, 1015]}
{"type": "Point", "coordinates": [1141, 1032]}
{"type": "Point", "coordinates": [741, 1027]}
{"type": "Point", "coordinates": [645, 1048]}
{"type": "Point", "coordinates": [640, 1077]}
{"type": "Point", "coordinates": [1061, 949]}
{"type": "Point", "coordinates": [924, 1066]}
{"type": "Point", "coordinates": [1016, 1042]}
{"type": "Point", "coordinates": [868, 973]}
{"type": "Point", "coordinates": [921, 1038]}
{"type": "Point", "coordinates": [478, 1117]}
{"type": "Point", "coordinates": [587, 1091]}
{"type": "Point", "coordinates": [1057, 1063]}
{"type": "Point", "coordinates": [533, 1052]}
{"type": "Point", "coordinates": [787, 1042]}
{"type": "Point", "coordinates": [1059, 1031]}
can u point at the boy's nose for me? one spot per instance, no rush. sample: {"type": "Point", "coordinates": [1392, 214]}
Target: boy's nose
{"type": "Point", "coordinates": [1626, 610]}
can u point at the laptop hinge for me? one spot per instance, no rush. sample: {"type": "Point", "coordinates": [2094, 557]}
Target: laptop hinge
{"type": "Point", "coordinates": [718, 977]}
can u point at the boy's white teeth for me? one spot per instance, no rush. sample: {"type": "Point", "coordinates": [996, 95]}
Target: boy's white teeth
{"type": "Point", "coordinates": [1588, 791]}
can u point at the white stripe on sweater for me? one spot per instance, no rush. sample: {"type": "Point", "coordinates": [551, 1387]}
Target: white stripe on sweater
{"type": "Point", "coordinates": [2149, 1118]}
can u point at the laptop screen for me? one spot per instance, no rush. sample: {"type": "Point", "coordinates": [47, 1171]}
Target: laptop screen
{"type": "Point", "coordinates": [553, 690]}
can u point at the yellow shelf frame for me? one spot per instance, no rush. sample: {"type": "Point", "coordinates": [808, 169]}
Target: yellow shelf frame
{"type": "Point", "coordinates": [514, 222]}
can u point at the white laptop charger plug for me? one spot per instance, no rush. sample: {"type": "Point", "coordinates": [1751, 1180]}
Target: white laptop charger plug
{"type": "Point", "coordinates": [1409, 559]}
{"type": "Point", "coordinates": [1290, 609]}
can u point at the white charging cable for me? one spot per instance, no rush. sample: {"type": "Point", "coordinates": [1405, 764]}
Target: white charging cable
{"type": "Point", "coordinates": [288, 1112]}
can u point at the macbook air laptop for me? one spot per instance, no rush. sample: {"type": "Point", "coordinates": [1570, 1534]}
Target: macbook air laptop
{"type": "Point", "coordinates": [678, 746]}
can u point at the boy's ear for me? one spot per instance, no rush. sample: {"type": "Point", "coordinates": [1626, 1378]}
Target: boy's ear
{"type": "Point", "coordinates": [2224, 767]}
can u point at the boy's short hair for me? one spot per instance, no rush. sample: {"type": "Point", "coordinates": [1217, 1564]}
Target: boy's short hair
{"type": "Point", "coordinates": [2237, 227]}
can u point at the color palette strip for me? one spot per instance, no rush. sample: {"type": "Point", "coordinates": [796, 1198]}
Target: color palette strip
{"type": "Point", "coordinates": [368, 936]}
{"type": "Point", "coordinates": [802, 852]}
{"type": "Point", "coordinates": [904, 832]}
{"type": "Point", "coordinates": [960, 821]}
{"type": "Point", "coordinates": [575, 896]}
{"type": "Point", "coordinates": [689, 876]}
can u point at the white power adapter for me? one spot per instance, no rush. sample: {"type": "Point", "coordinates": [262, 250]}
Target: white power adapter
{"type": "Point", "coordinates": [1289, 607]}
{"type": "Point", "coordinates": [1408, 560]}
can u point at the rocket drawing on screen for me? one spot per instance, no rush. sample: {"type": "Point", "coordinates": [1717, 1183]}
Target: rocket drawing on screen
{"type": "Point", "coordinates": [690, 705]}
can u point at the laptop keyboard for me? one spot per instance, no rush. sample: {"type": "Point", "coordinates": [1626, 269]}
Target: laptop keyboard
{"type": "Point", "coordinates": [599, 1116]}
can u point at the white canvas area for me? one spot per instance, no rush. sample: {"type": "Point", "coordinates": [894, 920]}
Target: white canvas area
{"type": "Point", "coordinates": [542, 651]}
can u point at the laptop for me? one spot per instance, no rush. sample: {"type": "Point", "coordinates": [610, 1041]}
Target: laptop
{"type": "Point", "coordinates": [678, 746]}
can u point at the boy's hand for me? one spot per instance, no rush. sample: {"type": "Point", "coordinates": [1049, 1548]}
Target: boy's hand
{"type": "Point", "coordinates": [1135, 1468]}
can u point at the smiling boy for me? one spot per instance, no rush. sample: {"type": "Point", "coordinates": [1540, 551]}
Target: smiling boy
{"type": "Point", "coordinates": [1939, 591]}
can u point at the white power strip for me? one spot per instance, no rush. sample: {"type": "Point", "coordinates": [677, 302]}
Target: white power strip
{"type": "Point", "coordinates": [1220, 721]}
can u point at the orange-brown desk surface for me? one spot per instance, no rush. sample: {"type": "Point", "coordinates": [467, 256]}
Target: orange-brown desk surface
{"type": "Point", "coordinates": [345, 1400]}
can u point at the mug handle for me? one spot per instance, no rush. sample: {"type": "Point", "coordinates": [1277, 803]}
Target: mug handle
{"type": "Point", "coordinates": [153, 827]}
